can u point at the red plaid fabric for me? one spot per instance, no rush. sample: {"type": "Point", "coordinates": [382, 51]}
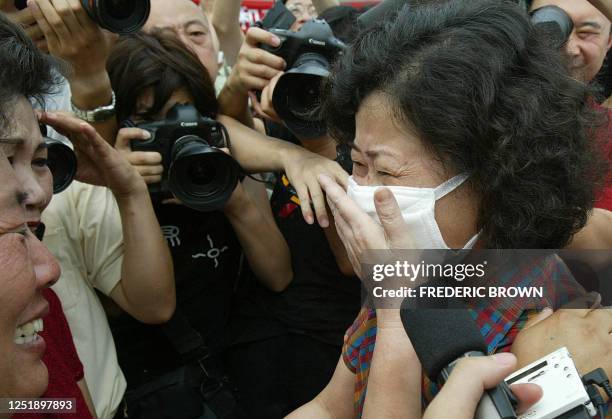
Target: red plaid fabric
{"type": "Point", "coordinates": [499, 321]}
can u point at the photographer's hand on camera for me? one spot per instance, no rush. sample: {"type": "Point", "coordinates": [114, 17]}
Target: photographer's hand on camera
{"type": "Point", "coordinates": [70, 34]}
{"type": "Point", "coordinates": [147, 163]}
{"type": "Point", "coordinates": [98, 163]}
{"type": "Point", "coordinates": [255, 67]}
{"type": "Point", "coordinates": [264, 106]}
{"type": "Point", "coordinates": [27, 21]}
{"type": "Point", "coordinates": [253, 70]}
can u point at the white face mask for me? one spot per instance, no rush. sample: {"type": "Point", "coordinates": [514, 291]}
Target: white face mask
{"type": "Point", "coordinates": [417, 206]}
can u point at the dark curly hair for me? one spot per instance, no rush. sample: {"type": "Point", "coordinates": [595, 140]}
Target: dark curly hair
{"type": "Point", "coordinates": [488, 97]}
{"type": "Point", "coordinates": [160, 61]}
{"type": "Point", "coordinates": [24, 70]}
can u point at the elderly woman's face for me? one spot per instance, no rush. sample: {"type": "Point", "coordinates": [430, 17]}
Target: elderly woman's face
{"type": "Point", "coordinates": [28, 156]}
{"type": "Point", "coordinates": [27, 268]}
{"type": "Point", "coordinates": [389, 154]}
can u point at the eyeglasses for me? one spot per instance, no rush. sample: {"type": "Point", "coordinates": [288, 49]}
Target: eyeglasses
{"type": "Point", "coordinates": [300, 11]}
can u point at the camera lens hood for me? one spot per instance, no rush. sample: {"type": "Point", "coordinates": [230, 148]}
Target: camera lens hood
{"type": "Point", "coordinates": [200, 176]}
{"type": "Point", "coordinates": [62, 163]}
{"type": "Point", "coordinates": [297, 95]}
{"type": "Point", "coordinates": [119, 16]}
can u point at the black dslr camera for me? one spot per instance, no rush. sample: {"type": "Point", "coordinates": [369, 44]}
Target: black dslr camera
{"type": "Point", "coordinates": [308, 53]}
{"type": "Point", "coordinates": [195, 171]}
{"type": "Point", "coordinates": [119, 16]}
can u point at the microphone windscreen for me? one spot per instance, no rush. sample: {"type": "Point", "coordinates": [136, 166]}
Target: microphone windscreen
{"type": "Point", "coordinates": [440, 336]}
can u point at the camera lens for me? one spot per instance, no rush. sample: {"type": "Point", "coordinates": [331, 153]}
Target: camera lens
{"type": "Point", "coordinates": [119, 9]}
{"type": "Point", "coordinates": [304, 106]}
{"type": "Point", "coordinates": [200, 176]}
{"type": "Point", "coordinates": [62, 163]}
{"type": "Point", "coordinates": [297, 95]}
{"type": "Point", "coordinates": [200, 173]}
{"type": "Point", "coordinates": [119, 16]}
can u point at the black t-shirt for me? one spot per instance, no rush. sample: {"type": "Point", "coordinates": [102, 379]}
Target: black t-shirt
{"type": "Point", "coordinates": [207, 259]}
{"type": "Point", "coordinates": [319, 302]}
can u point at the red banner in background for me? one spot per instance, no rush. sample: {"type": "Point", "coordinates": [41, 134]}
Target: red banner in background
{"type": "Point", "coordinates": [254, 10]}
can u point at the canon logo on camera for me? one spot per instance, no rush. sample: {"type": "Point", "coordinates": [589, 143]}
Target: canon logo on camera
{"type": "Point", "coordinates": [189, 124]}
{"type": "Point", "coordinates": [316, 42]}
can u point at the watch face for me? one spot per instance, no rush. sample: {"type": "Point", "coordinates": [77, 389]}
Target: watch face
{"type": "Point", "coordinates": [103, 115]}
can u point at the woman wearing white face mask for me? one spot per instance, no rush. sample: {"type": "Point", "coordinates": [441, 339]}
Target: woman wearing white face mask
{"type": "Point", "coordinates": [482, 140]}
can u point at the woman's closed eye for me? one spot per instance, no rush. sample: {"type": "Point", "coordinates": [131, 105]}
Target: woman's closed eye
{"type": "Point", "coordinates": [359, 168]}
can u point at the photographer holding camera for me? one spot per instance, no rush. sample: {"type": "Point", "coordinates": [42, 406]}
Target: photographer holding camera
{"type": "Point", "coordinates": [210, 219]}
{"type": "Point", "coordinates": [66, 30]}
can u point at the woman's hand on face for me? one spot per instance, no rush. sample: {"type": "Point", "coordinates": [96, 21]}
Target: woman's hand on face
{"type": "Point", "coordinates": [147, 163]}
{"type": "Point", "coordinates": [302, 168]}
{"type": "Point", "coordinates": [98, 162]}
{"type": "Point", "coordinates": [358, 231]}
{"type": "Point", "coordinates": [587, 334]}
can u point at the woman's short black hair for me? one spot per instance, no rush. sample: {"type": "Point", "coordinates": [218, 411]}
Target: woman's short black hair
{"type": "Point", "coordinates": [159, 61]}
{"type": "Point", "coordinates": [488, 97]}
{"type": "Point", "coordinates": [24, 70]}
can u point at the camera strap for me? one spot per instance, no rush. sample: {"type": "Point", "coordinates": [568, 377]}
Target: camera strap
{"type": "Point", "coordinates": [215, 388]}
{"type": "Point", "coordinates": [193, 349]}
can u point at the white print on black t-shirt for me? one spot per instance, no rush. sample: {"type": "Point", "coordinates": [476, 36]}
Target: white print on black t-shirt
{"type": "Point", "coordinates": [212, 253]}
{"type": "Point", "coordinates": [171, 234]}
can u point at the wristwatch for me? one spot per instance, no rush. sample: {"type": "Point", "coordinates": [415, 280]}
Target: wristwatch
{"type": "Point", "coordinates": [101, 114]}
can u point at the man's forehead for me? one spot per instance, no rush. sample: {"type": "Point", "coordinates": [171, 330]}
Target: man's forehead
{"type": "Point", "coordinates": [170, 13]}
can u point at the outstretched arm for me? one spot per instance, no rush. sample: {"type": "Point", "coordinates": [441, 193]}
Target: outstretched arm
{"type": "Point", "coordinates": [258, 153]}
{"type": "Point", "coordinates": [226, 21]}
{"type": "Point", "coordinates": [265, 248]}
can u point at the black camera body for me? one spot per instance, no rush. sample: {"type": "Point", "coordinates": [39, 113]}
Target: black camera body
{"type": "Point", "coordinates": [308, 53]}
{"type": "Point", "coordinates": [315, 36]}
{"type": "Point", "coordinates": [195, 171]}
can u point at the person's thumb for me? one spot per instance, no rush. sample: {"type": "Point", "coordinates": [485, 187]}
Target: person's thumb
{"type": "Point", "coordinates": [467, 383]}
{"type": "Point", "coordinates": [391, 219]}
